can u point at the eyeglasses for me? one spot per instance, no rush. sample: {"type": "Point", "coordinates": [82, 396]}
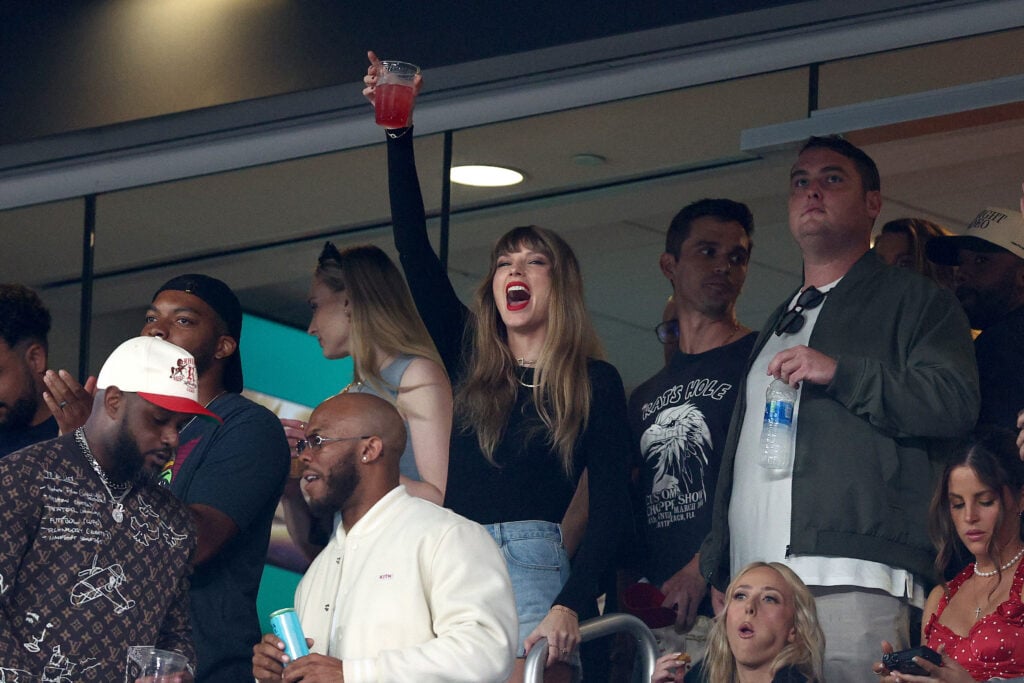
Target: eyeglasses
{"type": "Point", "coordinates": [792, 321]}
{"type": "Point", "coordinates": [329, 255]}
{"type": "Point", "coordinates": [316, 442]}
{"type": "Point", "coordinates": [668, 331]}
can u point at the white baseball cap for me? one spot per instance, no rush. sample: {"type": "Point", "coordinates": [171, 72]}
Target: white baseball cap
{"type": "Point", "coordinates": [993, 229]}
{"type": "Point", "coordinates": [158, 371]}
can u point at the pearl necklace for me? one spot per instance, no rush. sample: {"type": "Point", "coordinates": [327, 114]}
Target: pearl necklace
{"type": "Point", "coordinates": [1006, 566]}
{"type": "Point", "coordinates": [117, 512]}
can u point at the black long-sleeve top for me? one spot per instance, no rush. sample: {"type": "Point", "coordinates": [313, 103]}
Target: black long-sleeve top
{"type": "Point", "coordinates": [529, 482]}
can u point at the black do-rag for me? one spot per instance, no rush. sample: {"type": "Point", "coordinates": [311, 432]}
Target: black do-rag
{"type": "Point", "coordinates": [223, 301]}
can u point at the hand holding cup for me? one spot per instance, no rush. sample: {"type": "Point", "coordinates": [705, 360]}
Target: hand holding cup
{"type": "Point", "coordinates": [392, 86]}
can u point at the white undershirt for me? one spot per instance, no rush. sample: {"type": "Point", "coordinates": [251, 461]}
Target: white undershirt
{"type": "Point", "coordinates": [760, 510]}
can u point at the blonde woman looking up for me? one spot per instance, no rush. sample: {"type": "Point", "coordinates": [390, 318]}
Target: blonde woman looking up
{"type": "Point", "coordinates": [767, 633]}
{"type": "Point", "coordinates": [534, 407]}
{"type": "Point", "coordinates": [362, 309]}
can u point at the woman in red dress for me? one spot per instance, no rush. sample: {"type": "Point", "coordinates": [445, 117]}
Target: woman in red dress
{"type": "Point", "coordinates": [977, 619]}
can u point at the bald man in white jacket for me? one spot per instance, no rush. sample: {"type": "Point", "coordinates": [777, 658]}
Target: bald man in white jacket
{"type": "Point", "coordinates": [405, 590]}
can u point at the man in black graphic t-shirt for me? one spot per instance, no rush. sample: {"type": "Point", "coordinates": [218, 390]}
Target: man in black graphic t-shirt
{"type": "Point", "coordinates": [679, 418]}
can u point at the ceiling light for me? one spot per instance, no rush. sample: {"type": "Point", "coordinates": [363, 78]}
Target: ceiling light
{"type": "Point", "coordinates": [485, 176]}
{"type": "Point", "coordinates": [589, 160]}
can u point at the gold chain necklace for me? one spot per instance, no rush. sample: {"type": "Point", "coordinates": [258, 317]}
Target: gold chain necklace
{"type": "Point", "coordinates": [208, 404]}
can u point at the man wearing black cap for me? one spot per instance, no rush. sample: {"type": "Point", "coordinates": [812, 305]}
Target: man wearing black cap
{"type": "Point", "coordinates": [231, 475]}
{"type": "Point", "coordinates": [990, 286]}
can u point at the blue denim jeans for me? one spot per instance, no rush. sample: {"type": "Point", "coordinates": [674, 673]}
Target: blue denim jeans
{"type": "Point", "coordinates": [538, 566]}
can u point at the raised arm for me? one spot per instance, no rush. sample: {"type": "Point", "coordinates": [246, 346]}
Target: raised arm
{"type": "Point", "coordinates": [442, 311]}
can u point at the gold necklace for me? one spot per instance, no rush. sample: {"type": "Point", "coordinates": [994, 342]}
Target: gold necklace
{"type": "Point", "coordinates": [526, 384]}
{"type": "Point", "coordinates": [735, 330]}
{"type": "Point", "coordinates": [352, 386]}
{"type": "Point", "coordinates": [208, 404]}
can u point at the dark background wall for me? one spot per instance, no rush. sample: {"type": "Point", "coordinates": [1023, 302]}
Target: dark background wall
{"type": "Point", "coordinates": [70, 65]}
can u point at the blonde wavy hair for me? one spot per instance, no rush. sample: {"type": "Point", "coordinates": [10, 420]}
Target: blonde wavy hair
{"type": "Point", "coordinates": [807, 651]}
{"type": "Point", "coordinates": [384, 318]}
{"type": "Point", "coordinates": [562, 392]}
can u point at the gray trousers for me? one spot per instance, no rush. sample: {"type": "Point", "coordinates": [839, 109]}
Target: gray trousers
{"type": "Point", "coordinates": [856, 621]}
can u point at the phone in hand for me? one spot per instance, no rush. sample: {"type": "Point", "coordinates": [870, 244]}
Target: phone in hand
{"type": "Point", "coordinates": [903, 661]}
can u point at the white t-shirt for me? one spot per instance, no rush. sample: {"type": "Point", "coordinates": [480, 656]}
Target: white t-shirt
{"type": "Point", "coordinates": [760, 510]}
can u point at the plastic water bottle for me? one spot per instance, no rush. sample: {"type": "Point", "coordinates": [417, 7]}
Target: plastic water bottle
{"type": "Point", "coordinates": [777, 431]}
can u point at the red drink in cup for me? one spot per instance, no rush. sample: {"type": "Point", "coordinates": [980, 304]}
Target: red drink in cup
{"type": "Point", "coordinates": [394, 94]}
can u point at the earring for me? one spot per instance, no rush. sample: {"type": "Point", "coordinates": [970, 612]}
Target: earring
{"type": "Point", "coordinates": [364, 458]}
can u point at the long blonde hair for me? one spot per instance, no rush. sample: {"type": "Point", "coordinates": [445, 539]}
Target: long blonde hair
{"type": "Point", "coordinates": [805, 653]}
{"type": "Point", "coordinates": [561, 393]}
{"type": "Point", "coordinates": [384, 318]}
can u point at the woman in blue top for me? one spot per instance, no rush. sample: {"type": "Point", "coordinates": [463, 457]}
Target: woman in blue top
{"type": "Point", "coordinates": [362, 309]}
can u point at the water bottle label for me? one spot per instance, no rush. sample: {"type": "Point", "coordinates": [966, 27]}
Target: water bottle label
{"type": "Point", "coordinates": [778, 412]}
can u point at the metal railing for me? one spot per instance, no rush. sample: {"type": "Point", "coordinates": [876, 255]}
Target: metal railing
{"type": "Point", "coordinates": [647, 647]}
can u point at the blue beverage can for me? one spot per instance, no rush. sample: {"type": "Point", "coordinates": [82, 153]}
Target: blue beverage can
{"type": "Point", "coordinates": [285, 623]}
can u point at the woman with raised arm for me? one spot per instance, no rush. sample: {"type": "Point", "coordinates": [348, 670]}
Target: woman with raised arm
{"type": "Point", "coordinates": [534, 407]}
{"type": "Point", "coordinates": [362, 309]}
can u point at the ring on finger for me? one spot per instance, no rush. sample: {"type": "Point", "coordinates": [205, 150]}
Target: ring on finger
{"type": "Point", "coordinates": [62, 404]}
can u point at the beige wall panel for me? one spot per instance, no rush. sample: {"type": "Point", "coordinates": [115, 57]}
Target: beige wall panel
{"type": "Point", "coordinates": [918, 69]}
{"type": "Point", "coordinates": [669, 130]}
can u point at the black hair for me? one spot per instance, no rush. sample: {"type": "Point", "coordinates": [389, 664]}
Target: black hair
{"type": "Point", "coordinates": [720, 209]}
{"type": "Point", "coordinates": [22, 315]}
{"type": "Point", "coordinates": [866, 167]}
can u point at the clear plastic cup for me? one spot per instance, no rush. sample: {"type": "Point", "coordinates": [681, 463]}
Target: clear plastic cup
{"type": "Point", "coordinates": [394, 94]}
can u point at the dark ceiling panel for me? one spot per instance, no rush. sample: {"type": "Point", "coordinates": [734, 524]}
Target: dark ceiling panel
{"type": "Point", "coordinates": [74, 65]}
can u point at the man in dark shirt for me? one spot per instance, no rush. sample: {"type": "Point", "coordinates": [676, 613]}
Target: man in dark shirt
{"type": "Point", "coordinates": [230, 475]}
{"type": "Point", "coordinates": [679, 418]}
{"type": "Point", "coordinates": [990, 286]}
{"type": "Point", "coordinates": [24, 324]}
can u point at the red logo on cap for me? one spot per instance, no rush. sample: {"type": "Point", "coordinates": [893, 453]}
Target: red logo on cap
{"type": "Point", "coordinates": [185, 372]}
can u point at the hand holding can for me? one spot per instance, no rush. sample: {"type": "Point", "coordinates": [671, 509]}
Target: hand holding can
{"type": "Point", "coordinates": [285, 623]}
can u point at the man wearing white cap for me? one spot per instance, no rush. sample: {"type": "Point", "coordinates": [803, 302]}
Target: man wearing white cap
{"type": "Point", "coordinates": [990, 286]}
{"type": "Point", "coordinates": [94, 559]}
